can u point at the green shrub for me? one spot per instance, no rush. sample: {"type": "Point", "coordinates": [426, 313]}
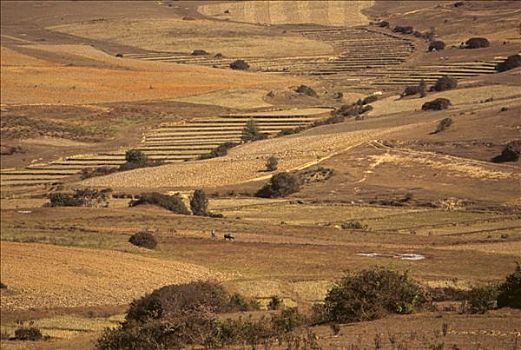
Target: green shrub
{"type": "Point", "coordinates": [219, 151]}
{"type": "Point", "coordinates": [275, 303]}
{"type": "Point", "coordinates": [288, 320]}
{"type": "Point", "coordinates": [481, 299]}
{"type": "Point", "coordinates": [28, 333]}
{"type": "Point", "coordinates": [240, 303]}
{"type": "Point", "coordinates": [371, 294]}
{"type": "Point", "coordinates": [306, 90]}
{"type": "Point", "coordinates": [436, 105]}
{"type": "Point", "coordinates": [476, 43]}
{"type": "Point", "coordinates": [60, 199]}
{"type": "Point", "coordinates": [510, 290]}
{"type": "Point", "coordinates": [511, 62]}
{"type": "Point", "coordinates": [172, 203]}
{"type": "Point", "coordinates": [251, 131]}
{"type": "Point", "coordinates": [510, 153]}
{"type": "Point", "coordinates": [436, 45]}
{"type": "Point", "coordinates": [444, 124]}
{"type": "Point", "coordinates": [445, 83]}
{"type": "Point", "coordinates": [272, 163]}
{"type": "Point", "coordinates": [199, 203]}
{"type": "Point", "coordinates": [86, 197]}
{"type": "Point", "coordinates": [239, 65]}
{"type": "Point", "coordinates": [280, 185]}
{"type": "Point", "coordinates": [143, 239]}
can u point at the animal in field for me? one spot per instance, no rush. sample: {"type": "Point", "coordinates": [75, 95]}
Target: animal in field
{"type": "Point", "coordinates": [229, 237]}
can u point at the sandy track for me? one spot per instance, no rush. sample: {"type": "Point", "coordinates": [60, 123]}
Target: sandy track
{"type": "Point", "coordinates": [243, 164]}
{"type": "Point", "coordinates": [40, 275]}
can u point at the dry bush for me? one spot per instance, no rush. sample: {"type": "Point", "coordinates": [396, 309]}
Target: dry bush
{"type": "Point", "coordinates": [239, 65]}
{"type": "Point", "coordinates": [275, 303]}
{"type": "Point", "coordinates": [442, 125]}
{"type": "Point", "coordinates": [306, 90]}
{"type": "Point", "coordinates": [436, 105]}
{"type": "Point", "coordinates": [101, 171]}
{"type": "Point", "coordinates": [511, 62]}
{"type": "Point", "coordinates": [199, 53]}
{"type": "Point", "coordinates": [280, 185]}
{"type": "Point", "coordinates": [403, 29]}
{"type": "Point", "coordinates": [143, 239]}
{"type": "Point", "coordinates": [371, 294]}
{"type": "Point", "coordinates": [219, 151]}
{"type": "Point", "coordinates": [436, 45]}
{"type": "Point", "coordinates": [410, 90]}
{"type": "Point", "coordinates": [172, 203]}
{"type": "Point", "coordinates": [354, 225]}
{"type": "Point", "coordinates": [272, 163]}
{"type": "Point", "coordinates": [445, 83]}
{"type": "Point", "coordinates": [30, 333]}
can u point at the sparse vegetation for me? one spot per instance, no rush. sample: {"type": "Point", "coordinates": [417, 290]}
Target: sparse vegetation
{"type": "Point", "coordinates": [239, 65]}
{"type": "Point", "coordinates": [510, 153]}
{"type": "Point", "coordinates": [28, 333]}
{"type": "Point", "coordinates": [219, 151]}
{"type": "Point", "coordinates": [272, 163]}
{"type": "Point", "coordinates": [172, 203]}
{"type": "Point", "coordinates": [354, 225]}
{"type": "Point", "coordinates": [445, 83]}
{"type": "Point", "coordinates": [403, 29]}
{"type": "Point", "coordinates": [143, 239]}
{"type": "Point", "coordinates": [275, 302]}
{"type": "Point", "coordinates": [100, 171]}
{"type": "Point", "coordinates": [371, 294]}
{"type": "Point", "coordinates": [511, 62]}
{"type": "Point", "coordinates": [476, 43]}
{"type": "Point", "coordinates": [280, 185]}
{"type": "Point", "coordinates": [436, 104]}
{"type": "Point", "coordinates": [199, 203]}
{"type": "Point", "coordinates": [481, 299]}
{"type": "Point", "coordinates": [444, 124]}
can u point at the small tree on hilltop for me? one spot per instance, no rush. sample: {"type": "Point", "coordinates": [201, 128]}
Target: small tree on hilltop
{"type": "Point", "coordinates": [199, 203]}
{"type": "Point", "coordinates": [251, 131]}
{"type": "Point", "coordinates": [272, 163]}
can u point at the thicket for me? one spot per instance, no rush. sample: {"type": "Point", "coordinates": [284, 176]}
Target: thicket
{"type": "Point", "coordinates": [84, 197]}
{"type": "Point", "coordinates": [511, 62]}
{"type": "Point", "coordinates": [436, 104]}
{"type": "Point", "coordinates": [280, 185]}
{"type": "Point", "coordinates": [481, 299]}
{"type": "Point", "coordinates": [143, 239]}
{"type": "Point", "coordinates": [29, 332]}
{"type": "Point", "coordinates": [172, 203]}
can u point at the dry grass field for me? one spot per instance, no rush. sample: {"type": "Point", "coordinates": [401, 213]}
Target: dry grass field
{"type": "Point", "coordinates": [399, 195]}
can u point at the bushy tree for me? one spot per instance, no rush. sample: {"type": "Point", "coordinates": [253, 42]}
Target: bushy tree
{"type": "Point", "coordinates": [143, 239]}
{"type": "Point", "coordinates": [481, 299]}
{"type": "Point", "coordinates": [172, 203]}
{"type": "Point", "coordinates": [199, 203]}
{"type": "Point", "coordinates": [239, 65]}
{"type": "Point", "coordinates": [510, 290]}
{"type": "Point", "coordinates": [280, 185]}
{"type": "Point", "coordinates": [371, 294]}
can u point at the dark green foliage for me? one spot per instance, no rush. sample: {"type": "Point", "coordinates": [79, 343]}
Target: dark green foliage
{"type": "Point", "coordinates": [60, 199]}
{"type": "Point", "coordinates": [272, 163]}
{"type": "Point", "coordinates": [354, 225]}
{"type": "Point", "coordinates": [143, 239]}
{"type": "Point", "coordinates": [481, 299]}
{"type": "Point", "coordinates": [199, 203]}
{"type": "Point", "coordinates": [476, 43]}
{"type": "Point", "coordinates": [280, 185]}
{"type": "Point", "coordinates": [511, 62]}
{"type": "Point", "coordinates": [445, 83]}
{"type": "Point", "coordinates": [239, 303]}
{"type": "Point", "coordinates": [275, 303]}
{"type": "Point", "coordinates": [445, 123]}
{"type": "Point", "coordinates": [510, 153]}
{"type": "Point", "coordinates": [436, 105]}
{"type": "Point", "coordinates": [369, 99]}
{"type": "Point", "coordinates": [403, 29]}
{"type": "Point", "coordinates": [199, 53]}
{"type": "Point", "coordinates": [172, 203]}
{"type": "Point", "coordinates": [28, 333]}
{"type": "Point", "coordinates": [137, 159]}
{"type": "Point", "coordinates": [436, 45]}
{"type": "Point", "coordinates": [306, 90]}
{"type": "Point", "coordinates": [92, 172]}
{"type": "Point", "coordinates": [251, 131]}
{"type": "Point", "coordinates": [510, 290]}
{"type": "Point", "coordinates": [288, 320]}
{"type": "Point", "coordinates": [219, 151]}
{"type": "Point", "coordinates": [239, 65]}
{"type": "Point", "coordinates": [371, 294]}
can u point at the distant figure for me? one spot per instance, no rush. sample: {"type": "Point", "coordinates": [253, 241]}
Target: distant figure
{"type": "Point", "coordinates": [229, 237]}
{"type": "Point", "coordinates": [214, 235]}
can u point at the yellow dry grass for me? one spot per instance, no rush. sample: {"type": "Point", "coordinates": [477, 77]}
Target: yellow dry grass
{"type": "Point", "coordinates": [114, 79]}
{"type": "Point", "coordinates": [176, 35]}
{"type": "Point", "coordinates": [242, 164]}
{"type": "Point", "coordinates": [466, 97]}
{"type": "Point", "coordinates": [335, 13]}
{"type": "Point", "coordinates": [40, 276]}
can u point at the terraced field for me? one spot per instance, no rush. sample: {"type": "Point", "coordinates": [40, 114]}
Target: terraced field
{"type": "Point", "coordinates": [169, 143]}
{"type": "Point", "coordinates": [365, 59]}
